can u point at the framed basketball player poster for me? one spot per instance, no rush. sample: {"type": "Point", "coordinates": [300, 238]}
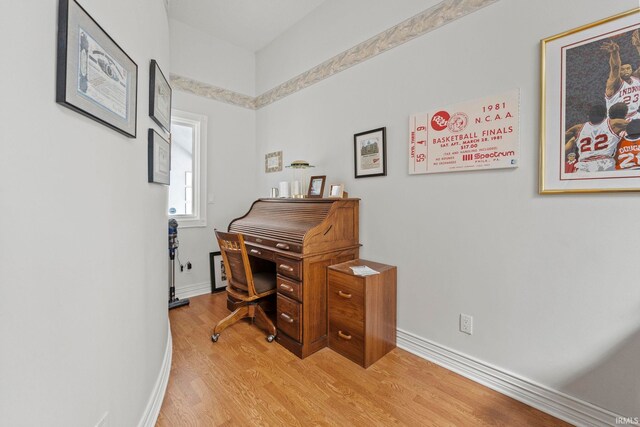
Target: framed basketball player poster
{"type": "Point", "coordinates": [590, 107]}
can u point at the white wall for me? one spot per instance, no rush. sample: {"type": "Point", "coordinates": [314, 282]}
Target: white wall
{"type": "Point", "coordinates": [207, 59]}
{"type": "Point", "coordinates": [83, 252]}
{"type": "Point", "coordinates": [333, 27]}
{"type": "Point", "coordinates": [230, 143]}
{"type": "Point", "coordinates": [231, 184]}
{"type": "Point", "coordinates": [550, 303]}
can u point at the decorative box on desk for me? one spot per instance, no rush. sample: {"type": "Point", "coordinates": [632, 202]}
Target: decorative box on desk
{"type": "Point", "coordinates": [362, 311]}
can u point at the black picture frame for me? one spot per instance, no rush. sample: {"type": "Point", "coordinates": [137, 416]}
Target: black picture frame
{"type": "Point", "coordinates": [370, 153]}
{"type": "Point", "coordinates": [159, 97]}
{"type": "Point", "coordinates": [218, 272]}
{"type": "Point", "coordinates": [159, 158]}
{"type": "Point", "coordinates": [95, 77]}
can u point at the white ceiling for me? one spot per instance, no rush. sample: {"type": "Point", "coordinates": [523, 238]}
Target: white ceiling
{"type": "Point", "coordinates": [250, 24]}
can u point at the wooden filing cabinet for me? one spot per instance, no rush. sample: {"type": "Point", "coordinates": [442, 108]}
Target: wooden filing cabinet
{"type": "Point", "coordinates": [362, 311]}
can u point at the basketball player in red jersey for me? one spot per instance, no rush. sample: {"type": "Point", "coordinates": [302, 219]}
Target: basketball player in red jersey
{"type": "Point", "coordinates": [628, 151]}
{"type": "Point", "coordinates": [623, 84]}
{"type": "Point", "coordinates": [596, 140]}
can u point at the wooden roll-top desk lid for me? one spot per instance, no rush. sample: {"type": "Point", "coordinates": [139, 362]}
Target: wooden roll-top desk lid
{"type": "Point", "coordinates": [300, 226]}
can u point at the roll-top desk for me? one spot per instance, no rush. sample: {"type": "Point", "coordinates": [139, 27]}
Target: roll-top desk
{"type": "Point", "coordinates": [301, 237]}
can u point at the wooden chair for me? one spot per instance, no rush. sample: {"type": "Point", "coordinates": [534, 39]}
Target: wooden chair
{"type": "Point", "coordinates": [244, 285]}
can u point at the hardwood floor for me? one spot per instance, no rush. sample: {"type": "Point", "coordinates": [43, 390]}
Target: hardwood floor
{"type": "Point", "coordinates": [242, 380]}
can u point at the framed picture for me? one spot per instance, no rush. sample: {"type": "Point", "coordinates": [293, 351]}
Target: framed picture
{"type": "Point", "coordinates": [159, 97]}
{"type": "Point", "coordinates": [95, 77]}
{"type": "Point", "coordinates": [159, 155]}
{"type": "Point", "coordinates": [589, 101]}
{"type": "Point", "coordinates": [273, 162]}
{"type": "Point", "coordinates": [370, 153]}
{"type": "Point", "coordinates": [316, 186]}
{"type": "Point", "coordinates": [218, 272]}
{"type": "Point", "coordinates": [336, 191]}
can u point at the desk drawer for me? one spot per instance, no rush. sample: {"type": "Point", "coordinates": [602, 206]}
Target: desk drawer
{"type": "Point", "coordinates": [290, 288]}
{"type": "Point", "coordinates": [260, 253]}
{"type": "Point", "coordinates": [276, 244]}
{"type": "Point", "coordinates": [347, 340]}
{"type": "Point", "coordinates": [289, 267]}
{"type": "Point", "coordinates": [290, 317]}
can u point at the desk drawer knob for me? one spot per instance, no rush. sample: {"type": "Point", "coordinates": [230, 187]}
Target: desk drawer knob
{"type": "Point", "coordinates": [285, 267]}
{"type": "Point", "coordinates": [282, 246]}
{"type": "Point", "coordinates": [344, 336]}
{"type": "Point", "coordinates": [286, 287]}
{"type": "Point", "coordinates": [255, 251]}
{"type": "Point", "coordinates": [287, 318]}
{"type": "Point", "coordinates": [344, 295]}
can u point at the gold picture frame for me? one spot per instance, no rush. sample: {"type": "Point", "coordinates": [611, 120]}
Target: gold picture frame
{"type": "Point", "coordinates": [576, 71]}
{"type": "Point", "coordinates": [336, 191]}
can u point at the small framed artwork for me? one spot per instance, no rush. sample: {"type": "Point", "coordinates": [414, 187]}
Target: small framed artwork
{"type": "Point", "coordinates": [273, 162]}
{"type": "Point", "coordinates": [336, 191]}
{"type": "Point", "coordinates": [316, 186]}
{"type": "Point", "coordinates": [159, 155]}
{"type": "Point", "coordinates": [159, 97]}
{"type": "Point", "coordinates": [218, 272]}
{"type": "Point", "coordinates": [590, 96]}
{"type": "Point", "coordinates": [370, 153]}
{"type": "Point", "coordinates": [95, 77]}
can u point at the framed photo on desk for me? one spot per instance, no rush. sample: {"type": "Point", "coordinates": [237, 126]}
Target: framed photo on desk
{"type": "Point", "coordinates": [316, 186]}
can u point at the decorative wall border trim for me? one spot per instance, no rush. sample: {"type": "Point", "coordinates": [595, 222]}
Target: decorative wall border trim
{"type": "Point", "coordinates": [186, 84]}
{"type": "Point", "coordinates": [431, 19]}
{"type": "Point", "coordinates": [152, 411]}
{"type": "Point", "coordinates": [552, 402]}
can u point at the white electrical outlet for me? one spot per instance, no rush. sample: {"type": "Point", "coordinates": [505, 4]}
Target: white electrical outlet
{"type": "Point", "coordinates": [466, 323]}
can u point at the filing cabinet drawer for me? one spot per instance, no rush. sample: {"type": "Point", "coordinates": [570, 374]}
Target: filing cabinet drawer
{"type": "Point", "coordinates": [289, 267]}
{"type": "Point", "coordinates": [290, 288]}
{"type": "Point", "coordinates": [346, 297]}
{"type": "Point", "coordinates": [347, 340]}
{"type": "Point", "coordinates": [290, 317]}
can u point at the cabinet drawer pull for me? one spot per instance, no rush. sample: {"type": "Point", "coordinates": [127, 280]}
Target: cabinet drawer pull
{"type": "Point", "coordinates": [286, 317]}
{"type": "Point", "coordinates": [286, 287]}
{"type": "Point", "coordinates": [255, 251]}
{"type": "Point", "coordinates": [344, 336]}
{"type": "Point", "coordinates": [344, 295]}
{"type": "Point", "coordinates": [282, 246]}
{"type": "Point", "coordinates": [285, 267]}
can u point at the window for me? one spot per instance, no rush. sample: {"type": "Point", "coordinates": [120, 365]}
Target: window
{"type": "Point", "coordinates": [188, 169]}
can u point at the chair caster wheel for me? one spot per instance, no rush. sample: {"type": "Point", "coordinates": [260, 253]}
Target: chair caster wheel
{"type": "Point", "coordinates": [270, 338]}
{"type": "Point", "coordinates": [215, 337]}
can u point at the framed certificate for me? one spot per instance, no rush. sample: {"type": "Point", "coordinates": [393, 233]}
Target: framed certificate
{"type": "Point", "coordinates": [95, 77]}
{"type": "Point", "coordinates": [159, 97]}
{"type": "Point", "coordinates": [159, 155]}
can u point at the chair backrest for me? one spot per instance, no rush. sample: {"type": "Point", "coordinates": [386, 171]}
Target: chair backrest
{"type": "Point", "coordinates": [236, 262]}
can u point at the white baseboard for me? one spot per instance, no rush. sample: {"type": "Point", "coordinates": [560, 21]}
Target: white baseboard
{"type": "Point", "coordinates": [152, 410]}
{"type": "Point", "coordinates": [558, 404]}
{"type": "Point", "coordinates": [193, 290]}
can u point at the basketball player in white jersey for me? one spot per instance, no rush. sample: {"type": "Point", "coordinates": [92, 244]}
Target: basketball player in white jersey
{"type": "Point", "coordinates": [628, 151]}
{"type": "Point", "coordinates": [623, 84]}
{"type": "Point", "coordinates": [596, 140]}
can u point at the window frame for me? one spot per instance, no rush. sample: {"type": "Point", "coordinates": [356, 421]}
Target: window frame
{"type": "Point", "coordinates": [199, 123]}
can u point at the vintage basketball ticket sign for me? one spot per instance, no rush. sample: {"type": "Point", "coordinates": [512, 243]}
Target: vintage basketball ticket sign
{"type": "Point", "coordinates": [473, 135]}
